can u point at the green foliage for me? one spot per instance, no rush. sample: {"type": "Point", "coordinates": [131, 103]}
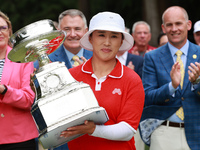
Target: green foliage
{"type": "Point", "coordinates": [24, 12]}
{"type": "Point", "coordinates": [128, 9]}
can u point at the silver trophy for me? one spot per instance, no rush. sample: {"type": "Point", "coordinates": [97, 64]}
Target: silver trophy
{"type": "Point", "coordinates": [61, 101]}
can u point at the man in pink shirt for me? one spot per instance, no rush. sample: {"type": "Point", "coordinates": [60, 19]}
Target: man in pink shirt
{"type": "Point", "coordinates": [141, 33]}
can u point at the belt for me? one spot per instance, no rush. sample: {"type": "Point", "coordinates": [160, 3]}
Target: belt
{"type": "Point", "coordinates": [173, 124]}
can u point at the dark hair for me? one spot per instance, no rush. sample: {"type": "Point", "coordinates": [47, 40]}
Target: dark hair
{"type": "Point", "coordinates": [122, 35]}
{"type": "Point", "coordinates": [159, 37]}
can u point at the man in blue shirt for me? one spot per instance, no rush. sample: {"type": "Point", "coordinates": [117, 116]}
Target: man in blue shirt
{"type": "Point", "coordinates": [171, 116]}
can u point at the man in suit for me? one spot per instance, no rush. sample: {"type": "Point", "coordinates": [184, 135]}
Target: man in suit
{"type": "Point", "coordinates": [171, 117]}
{"type": "Point", "coordinates": [74, 23]}
{"type": "Point", "coordinates": [134, 62]}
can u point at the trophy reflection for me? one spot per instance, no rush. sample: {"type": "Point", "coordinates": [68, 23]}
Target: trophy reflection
{"type": "Point", "coordinates": [60, 101]}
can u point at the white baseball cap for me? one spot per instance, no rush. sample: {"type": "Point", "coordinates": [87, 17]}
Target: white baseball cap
{"type": "Point", "coordinates": [196, 27]}
{"type": "Point", "coordinates": [107, 21]}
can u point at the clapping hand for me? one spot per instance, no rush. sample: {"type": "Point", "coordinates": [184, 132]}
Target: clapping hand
{"type": "Point", "coordinates": [194, 71]}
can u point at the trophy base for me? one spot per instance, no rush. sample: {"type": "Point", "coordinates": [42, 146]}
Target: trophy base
{"type": "Point", "coordinates": [63, 103]}
{"type": "Point", "coordinates": [52, 138]}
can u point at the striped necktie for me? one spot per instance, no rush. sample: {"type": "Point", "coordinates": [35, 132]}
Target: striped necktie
{"type": "Point", "coordinates": [180, 112]}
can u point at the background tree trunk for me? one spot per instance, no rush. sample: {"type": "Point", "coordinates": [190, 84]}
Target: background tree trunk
{"type": "Point", "coordinates": [26, 12]}
{"type": "Point", "coordinates": [84, 6]}
{"type": "Point", "coordinates": [151, 16]}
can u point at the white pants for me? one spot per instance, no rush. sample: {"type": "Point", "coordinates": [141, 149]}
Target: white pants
{"type": "Point", "coordinates": [168, 138]}
{"type": "Point", "coordinates": [139, 144]}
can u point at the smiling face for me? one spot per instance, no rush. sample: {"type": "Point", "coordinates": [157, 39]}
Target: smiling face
{"type": "Point", "coordinates": [141, 35]}
{"type": "Point", "coordinates": [176, 26]}
{"type": "Point", "coordinates": [105, 44]}
{"type": "Point", "coordinates": [75, 28]}
{"type": "Point", "coordinates": [4, 34]}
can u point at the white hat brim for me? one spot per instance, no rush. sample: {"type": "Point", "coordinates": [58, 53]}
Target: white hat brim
{"type": "Point", "coordinates": [126, 45]}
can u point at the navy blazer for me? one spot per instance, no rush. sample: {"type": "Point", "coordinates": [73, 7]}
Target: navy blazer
{"type": "Point", "coordinates": [159, 105]}
{"type": "Point", "coordinates": [137, 62]}
{"type": "Point", "coordinates": [61, 56]}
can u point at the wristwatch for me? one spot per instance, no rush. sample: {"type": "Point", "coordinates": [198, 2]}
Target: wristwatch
{"type": "Point", "coordinates": [5, 90]}
{"type": "Point", "coordinates": [197, 81]}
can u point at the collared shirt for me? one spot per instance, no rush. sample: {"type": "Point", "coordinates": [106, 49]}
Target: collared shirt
{"type": "Point", "coordinates": [173, 50]}
{"type": "Point", "coordinates": [149, 48]}
{"type": "Point", "coordinates": [121, 93]}
{"type": "Point", "coordinates": [70, 55]}
{"type": "Point", "coordinates": [2, 61]}
{"type": "Point", "coordinates": [184, 49]}
{"type": "Point", "coordinates": [123, 58]}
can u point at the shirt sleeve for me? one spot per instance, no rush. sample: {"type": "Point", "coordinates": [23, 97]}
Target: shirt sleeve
{"type": "Point", "coordinates": [19, 93]}
{"type": "Point", "coordinates": [119, 132]}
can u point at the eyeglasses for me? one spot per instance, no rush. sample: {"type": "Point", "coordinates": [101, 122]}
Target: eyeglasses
{"type": "Point", "coordinates": [3, 28]}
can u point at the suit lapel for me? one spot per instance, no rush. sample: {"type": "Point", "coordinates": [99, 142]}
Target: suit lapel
{"type": "Point", "coordinates": [60, 55]}
{"type": "Point", "coordinates": [87, 54]}
{"type": "Point", "coordinates": [166, 59]}
{"type": "Point", "coordinates": [128, 59]}
{"type": "Point", "coordinates": [63, 56]}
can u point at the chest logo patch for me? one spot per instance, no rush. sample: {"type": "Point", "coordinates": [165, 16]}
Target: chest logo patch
{"type": "Point", "coordinates": [117, 91]}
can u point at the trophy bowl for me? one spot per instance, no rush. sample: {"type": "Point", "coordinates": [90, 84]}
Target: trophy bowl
{"type": "Point", "coordinates": [60, 100]}
{"type": "Point", "coordinates": [35, 42]}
